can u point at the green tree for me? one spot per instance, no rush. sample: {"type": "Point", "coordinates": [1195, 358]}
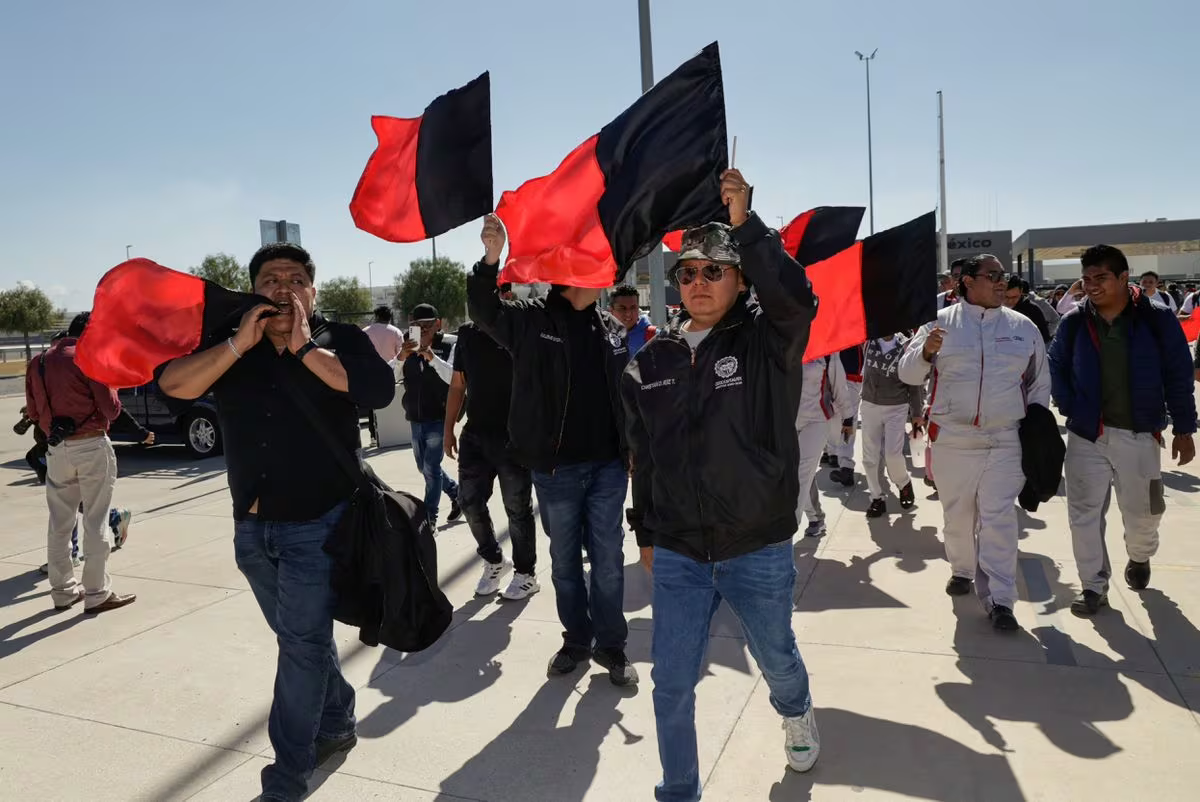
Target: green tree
{"type": "Point", "coordinates": [223, 269]}
{"type": "Point", "coordinates": [26, 309]}
{"type": "Point", "coordinates": [343, 296]}
{"type": "Point", "coordinates": [442, 283]}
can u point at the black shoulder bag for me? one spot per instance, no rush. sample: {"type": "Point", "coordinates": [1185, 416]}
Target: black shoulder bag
{"type": "Point", "coordinates": [384, 555]}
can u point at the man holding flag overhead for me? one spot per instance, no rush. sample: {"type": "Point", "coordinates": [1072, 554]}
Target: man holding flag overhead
{"type": "Point", "coordinates": [710, 408]}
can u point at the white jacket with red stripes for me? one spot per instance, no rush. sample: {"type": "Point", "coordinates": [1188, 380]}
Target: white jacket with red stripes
{"type": "Point", "coordinates": [992, 364]}
{"type": "Point", "coordinates": [824, 392]}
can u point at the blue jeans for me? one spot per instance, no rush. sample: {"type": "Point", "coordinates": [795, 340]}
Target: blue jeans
{"type": "Point", "coordinates": [428, 452]}
{"type": "Point", "coordinates": [288, 572]}
{"type": "Point", "coordinates": [584, 503]}
{"type": "Point", "coordinates": [758, 587]}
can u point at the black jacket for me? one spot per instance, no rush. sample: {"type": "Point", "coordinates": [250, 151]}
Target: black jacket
{"type": "Point", "coordinates": [713, 434]}
{"type": "Point", "coordinates": [1042, 455]}
{"type": "Point", "coordinates": [1030, 310]}
{"type": "Point", "coordinates": [535, 333]}
{"type": "Point", "coordinates": [424, 390]}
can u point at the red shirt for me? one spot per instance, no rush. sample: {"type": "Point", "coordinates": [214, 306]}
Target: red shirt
{"type": "Point", "coordinates": [90, 404]}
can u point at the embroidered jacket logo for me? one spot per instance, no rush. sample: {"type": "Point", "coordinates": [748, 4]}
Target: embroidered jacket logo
{"type": "Point", "coordinates": [726, 366]}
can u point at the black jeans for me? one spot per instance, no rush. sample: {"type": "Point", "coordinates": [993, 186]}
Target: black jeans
{"type": "Point", "coordinates": [481, 460]}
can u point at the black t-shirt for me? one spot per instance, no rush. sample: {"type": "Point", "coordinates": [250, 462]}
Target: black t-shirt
{"type": "Point", "coordinates": [488, 370]}
{"type": "Point", "coordinates": [589, 430]}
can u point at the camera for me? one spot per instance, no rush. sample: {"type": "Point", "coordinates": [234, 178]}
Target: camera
{"type": "Point", "coordinates": [60, 429]}
{"type": "Point", "coordinates": [22, 426]}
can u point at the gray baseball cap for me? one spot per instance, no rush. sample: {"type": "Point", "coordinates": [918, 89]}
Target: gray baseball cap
{"type": "Point", "coordinates": [711, 242]}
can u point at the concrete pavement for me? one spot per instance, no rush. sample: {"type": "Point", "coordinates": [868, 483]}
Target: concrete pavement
{"type": "Point", "coordinates": [916, 696]}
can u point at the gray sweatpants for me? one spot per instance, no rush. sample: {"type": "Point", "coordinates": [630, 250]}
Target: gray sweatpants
{"type": "Point", "coordinates": [79, 471]}
{"type": "Point", "coordinates": [1130, 463]}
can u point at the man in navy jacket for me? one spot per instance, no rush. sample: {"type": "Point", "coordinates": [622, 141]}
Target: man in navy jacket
{"type": "Point", "coordinates": [1117, 364]}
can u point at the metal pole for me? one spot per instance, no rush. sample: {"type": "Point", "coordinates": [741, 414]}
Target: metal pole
{"type": "Point", "coordinates": [434, 241]}
{"type": "Point", "coordinates": [870, 150]}
{"type": "Point", "coordinates": [370, 283]}
{"type": "Point", "coordinates": [127, 247]}
{"type": "Point", "coordinates": [943, 245]}
{"type": "Point", "coordinates": [654, 260]}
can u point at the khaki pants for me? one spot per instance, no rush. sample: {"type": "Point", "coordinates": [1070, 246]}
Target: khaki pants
{"type": "Point", "coordinates": [1130, 463]}
{"type": "Point", "coordinates": [979, 476]}
{"type": "Point", "coordinates": [80, 471]}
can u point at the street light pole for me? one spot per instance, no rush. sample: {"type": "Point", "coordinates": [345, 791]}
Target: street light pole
{"type": "Point", "coordinates": [370, 283]}
{"type": "Point", "coordinates": [654, 260]}
{"type": "Point", "coordinates": [127, 247]}
{"type": "Point", "coordinates": [870, 156]}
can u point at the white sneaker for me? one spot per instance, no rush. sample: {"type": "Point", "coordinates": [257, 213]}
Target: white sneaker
{"type": "Point", "coordinates": [489, 583]}
{"type": "Point", "coordinates": [522, 586]}
{"type": "Point", "coordinates": [802, 743]}
{"type": "Point", "coordinates": [815, 529]}
{"type": "Point", "coordinates": [119, 520]}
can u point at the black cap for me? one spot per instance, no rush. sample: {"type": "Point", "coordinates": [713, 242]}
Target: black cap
{"type": "Point", "coordinates": [424, 312]}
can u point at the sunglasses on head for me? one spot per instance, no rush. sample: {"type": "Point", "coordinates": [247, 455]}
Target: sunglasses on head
{"type": "Point", "coordinates": [712, 273]}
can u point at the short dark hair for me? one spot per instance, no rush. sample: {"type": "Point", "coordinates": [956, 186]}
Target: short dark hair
{"type": "Point", "coordinates": [1014, 283]}
{"type": "Point", "coordinates": [506, 287]}
{"type": "Point", "coordinates": [281, 250]}
{"type": "Point", "coordinates": [623, 291]}
{"type": "Point", "coordinates": [1106, 256]}
{"type": "Point", "coordinates": [1150, 273]}
{"type": "Point", "coordinates": [78, 324]}
{"type": "Point", "coordinates": [383, 314]}
{"type": "Point", "coordinates": [959, 262]}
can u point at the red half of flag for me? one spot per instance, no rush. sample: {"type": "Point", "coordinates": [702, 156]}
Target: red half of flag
{"type": "Point", "coordinates": [431, 173]}
{"type": "Point", "coordinates": [1191, 327]}
{"type": "Point", "coordinates": [144, 314]}
{"type": "Point", "coordinates": [879, 286]}
{"type": "Point", "coordinates": [653, 169]}
{"type": "Point", "coordinates": [819, 233]}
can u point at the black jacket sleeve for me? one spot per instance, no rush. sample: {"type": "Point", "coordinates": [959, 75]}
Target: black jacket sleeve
{"type": "Point", "coordinates": [639, 455]}
{"type": "Point", "coordinates": [784, 292]}
{"type": "Point", "coordinates": [370, 380]}
{"type": "Point", "coordinates": [501, 320]}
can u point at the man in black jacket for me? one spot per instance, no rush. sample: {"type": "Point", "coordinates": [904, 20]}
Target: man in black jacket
{"type": "Point", "coordinates": [427, 367]}
{"type": "Point", "coordinates": [710, 409]}
{"type": "Point", "coordinates": [288, 490]}
{"type": "Point", "coordinates": [565, 424]}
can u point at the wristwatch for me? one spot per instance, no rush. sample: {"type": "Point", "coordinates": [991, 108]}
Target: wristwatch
{"type": "Point", "coordinates": [303, 350]}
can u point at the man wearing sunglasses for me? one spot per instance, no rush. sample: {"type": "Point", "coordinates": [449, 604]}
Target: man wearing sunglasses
{"type": "Point", "coordinates": [710, 410]}
{"type": "Point", "coordinates": [988, 363]}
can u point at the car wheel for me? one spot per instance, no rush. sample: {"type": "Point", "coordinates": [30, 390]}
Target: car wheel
{"type": "Point", "coordinates": [202, 433]}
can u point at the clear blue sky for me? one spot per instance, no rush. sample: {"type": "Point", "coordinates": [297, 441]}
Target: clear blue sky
{"type": "Point", "coordinates": [176, 127]}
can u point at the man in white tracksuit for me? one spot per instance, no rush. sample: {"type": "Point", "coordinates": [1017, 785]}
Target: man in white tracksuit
{"type": "Point", "coordinates": [824, 398]}
{"type": "Point", "coordinates": [988, 363]}
{"type": "Point", "coordinates": [887, 405]}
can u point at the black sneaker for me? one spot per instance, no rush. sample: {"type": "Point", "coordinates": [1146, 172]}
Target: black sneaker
{"type": "Point", "coordinates": [833, 462]}
{"type": "Point", "coordinates": [566, 660]}
{"type": "Point", "coordinates": [843, 476]}
{"type": "Point", "coordinates": [1089, 603]}
{"type": "Point", "coordinates": [328, 747]}
{"type": "Point", "coordinates": [455, 511]}
{"type": "Point", "coordinates": [1137, 575]}
{"type": "Point", "coordinates": [620, 671]}
{"type": "Point", "coordinates": [930, 483]}
{"type": "Point", "coordinates": [1003, 619]}
{"type": "Point", "coordinates": [958, 586]}
{"type": "Point", "coordinates": [877, 509]}
{"type": "Point", "coordinates": [824, 459]}
{"type": "Point", "coordinates": [907, 497]}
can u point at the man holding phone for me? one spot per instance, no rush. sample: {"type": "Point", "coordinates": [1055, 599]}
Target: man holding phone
{"type": "Point", "coordinates": [427, 357]}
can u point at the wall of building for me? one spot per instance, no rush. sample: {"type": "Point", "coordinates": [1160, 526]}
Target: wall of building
{"type": "Point", "coordinates": [1169, 266]}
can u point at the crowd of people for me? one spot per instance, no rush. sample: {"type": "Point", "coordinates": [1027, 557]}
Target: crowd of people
{"type": "Point", "coordinates": [704, 437]}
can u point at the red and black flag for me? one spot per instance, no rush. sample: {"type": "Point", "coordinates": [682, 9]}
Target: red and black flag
{"type": "Point", "coordinates": [431, 173]}
{"type": "Point", "coordinates": [879, 286]}
{"type": "Point", "coordinates": [655, 168]}
{"type": "Point", "coordinates": [821, 233]}
{"type": "Point", "coordinates": [145, 314]}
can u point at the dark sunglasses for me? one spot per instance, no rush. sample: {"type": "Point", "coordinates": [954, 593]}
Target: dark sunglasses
{"type": "Point", "coordinates": [994, 276]}
{"type": "Point", "coordinates": [712, 273]}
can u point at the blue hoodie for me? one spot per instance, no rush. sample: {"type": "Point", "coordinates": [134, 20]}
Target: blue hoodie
{"type": "Point", "coordinates": [642, 332]}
